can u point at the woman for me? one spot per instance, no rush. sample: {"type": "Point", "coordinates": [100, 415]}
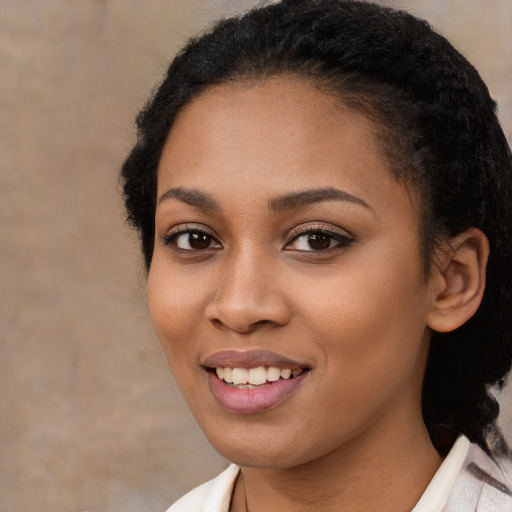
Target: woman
{"type": "Point", "coordinates": [323, 194]}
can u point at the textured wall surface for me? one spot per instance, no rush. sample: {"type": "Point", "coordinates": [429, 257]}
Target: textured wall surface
{"type": "Point", "coordinates": [90, 419]}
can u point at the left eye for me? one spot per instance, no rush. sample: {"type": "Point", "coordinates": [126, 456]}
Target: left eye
{"type": "Point", "coordinates": [192, 241]}
{"type": "Point", "coordinates": [318, 241]}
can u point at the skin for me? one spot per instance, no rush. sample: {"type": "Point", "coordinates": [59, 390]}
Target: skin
{"type": "Point", "coordinates": [356, 314]}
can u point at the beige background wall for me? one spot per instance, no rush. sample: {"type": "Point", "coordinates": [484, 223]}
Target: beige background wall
{"type": "Point", "coordinates": [89, 417]}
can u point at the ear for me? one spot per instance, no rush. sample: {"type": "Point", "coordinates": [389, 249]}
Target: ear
{"type": "Point", "coordinates": [458, 280]}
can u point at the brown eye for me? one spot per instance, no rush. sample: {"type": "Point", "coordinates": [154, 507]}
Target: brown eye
{"type": "Point", "coordinates": [319, 241]}
{"type": "Point", "coordinates": [198, 241]}
{"type": "Point", "coordinates": [192, 241]}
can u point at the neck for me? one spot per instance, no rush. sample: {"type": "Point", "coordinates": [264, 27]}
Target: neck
{"type": "Point", "coordinates": [387, 472]}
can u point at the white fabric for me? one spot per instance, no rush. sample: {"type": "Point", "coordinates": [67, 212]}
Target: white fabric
{"type": "Point", "coordinates": [467, 481]}
{"type": "Point", "coordinates": [212, 496]}
{"type": "Point", "coordinates": [436, 494]}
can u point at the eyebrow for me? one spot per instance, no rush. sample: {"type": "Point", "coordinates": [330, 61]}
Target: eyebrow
{"type": "Point", "coordinates": [291, 201]}
{"type": "Point", "coordinates": [303, 198]}
{"type": "Point", "coordinates": [192, 197]}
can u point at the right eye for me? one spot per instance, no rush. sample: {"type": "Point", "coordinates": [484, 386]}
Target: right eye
{"type": "Point", "coordinates": [191, 240]}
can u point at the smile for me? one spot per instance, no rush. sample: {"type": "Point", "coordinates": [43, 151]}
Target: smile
{"type": "Point", "coordinates": [248, 378]}
{"type": "Point", "coordinates": [248, 382]}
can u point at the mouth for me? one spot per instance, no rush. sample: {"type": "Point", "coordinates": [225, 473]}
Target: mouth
{"type": "Point", "coordinates": [252, 382]}
{"type": "Point", "coordinates": [252, 378]}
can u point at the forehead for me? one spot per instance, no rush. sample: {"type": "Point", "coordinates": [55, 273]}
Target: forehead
{"type": "Point", "coordinates": [281, 133]}
{"type": "Point", "coordinates": [293, 105]}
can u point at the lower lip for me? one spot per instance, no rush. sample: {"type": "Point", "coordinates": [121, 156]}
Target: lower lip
{"type": "Point", "coordinates": [259, 399]}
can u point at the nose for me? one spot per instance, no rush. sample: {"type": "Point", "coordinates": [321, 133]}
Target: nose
{"type": "Point", "coordinates": [248, 296]}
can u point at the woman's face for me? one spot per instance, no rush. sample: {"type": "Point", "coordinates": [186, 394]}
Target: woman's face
{"type": "Point", "coordinates": [287, 254]}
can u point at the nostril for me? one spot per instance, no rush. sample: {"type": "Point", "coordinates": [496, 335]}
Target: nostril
{"type": "Point", "coordinates": [261, 322]}
{"type": "Point", "coordinates": [217, 323]}
{"type": "Point", "coordinates": [241, 328]}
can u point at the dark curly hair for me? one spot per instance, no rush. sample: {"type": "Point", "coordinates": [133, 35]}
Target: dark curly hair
{"type": "Point", "coordinates": [438, 128]}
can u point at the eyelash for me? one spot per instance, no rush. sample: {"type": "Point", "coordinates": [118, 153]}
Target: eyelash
{"type": "Point", "coordinates": [312, 232]}
{"type": "Point", "coordinates": [172, 238]}
{"type": "Point", "coordinates": [342, 240]}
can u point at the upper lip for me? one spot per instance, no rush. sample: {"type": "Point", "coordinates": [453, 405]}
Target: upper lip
{"type": "Point", "coordinates": [250, 359]}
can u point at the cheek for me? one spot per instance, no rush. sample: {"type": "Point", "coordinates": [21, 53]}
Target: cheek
{"type": "Point", "coordinates": [369, 316]}
{"type": "Point", "coordinates": [175, 302]}
{"type": "Point", "coordinates": [372, 354]}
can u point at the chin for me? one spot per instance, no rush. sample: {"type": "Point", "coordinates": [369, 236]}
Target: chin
{"type": "Point", "coordinates": [271, 451]}
{"type": "Point", "coordinates": [251, 458]}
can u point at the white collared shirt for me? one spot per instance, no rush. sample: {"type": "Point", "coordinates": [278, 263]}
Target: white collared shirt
{"type": "Point", "coordinates": [468, 480]}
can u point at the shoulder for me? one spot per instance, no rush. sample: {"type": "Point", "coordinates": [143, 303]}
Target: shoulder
{"type": "Point", "coordinates": [484, 484]}
{"type": "Point", "coordinates": [212, 496]}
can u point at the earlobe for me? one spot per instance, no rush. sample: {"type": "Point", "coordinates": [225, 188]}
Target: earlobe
{"type": "Point", "coordinates": [458, 280]}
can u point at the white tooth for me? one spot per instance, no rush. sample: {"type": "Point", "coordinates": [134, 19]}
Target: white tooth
{"type": "Point", "coordinates": [220, 372]}
{"type": "Point", "coordinates": [273, 374]}
{"type": "Point", "coordinates": [240, 376]}
{"type": "Point", "coordinates": [228, 375]}
{"type": "Point", "coordinates": [285, 373]}
{"type": "Point", "coordinates": [296, 372]}
{"type": "Point", "coordinates": [257, 376]}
